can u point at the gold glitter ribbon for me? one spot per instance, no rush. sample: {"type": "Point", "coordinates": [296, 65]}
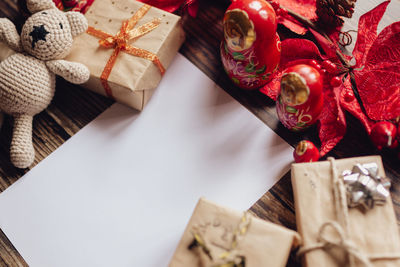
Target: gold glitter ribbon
{"type": "Point", "coordinates": [119, 43]}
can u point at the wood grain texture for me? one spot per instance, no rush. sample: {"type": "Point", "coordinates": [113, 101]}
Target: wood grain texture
{"type": "Point", "coordinates": [74, 107]}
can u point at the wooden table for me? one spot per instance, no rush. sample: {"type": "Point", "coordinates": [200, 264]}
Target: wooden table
{"type": "Point", "coordinates": [74, 107]}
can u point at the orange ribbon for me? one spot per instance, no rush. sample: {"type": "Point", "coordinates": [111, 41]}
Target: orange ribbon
{"type": "Point", "coordinates": [119, 43]}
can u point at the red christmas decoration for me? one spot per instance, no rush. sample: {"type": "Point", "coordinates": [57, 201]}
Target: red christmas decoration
{"type": "Point", "coordinates": [250, 51]}
{"type": "Point", "coordinates": [305, 8]}
{"type": "Point", "coordinates": [191, 6]}
{"type": "Point", "coordinates": [300, 99]}
{"type": "Point", "coordinates": [383, 134]}
{"type": "Point", "coordinates": [305, 151]}
{"type": "Point", "coordinates": [377, 93]}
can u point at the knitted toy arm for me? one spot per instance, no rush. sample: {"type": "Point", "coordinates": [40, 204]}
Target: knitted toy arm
{"type": "Point", "coordinates": [71, 71]}
{"type": "Point", "coordinates": [9, 34]}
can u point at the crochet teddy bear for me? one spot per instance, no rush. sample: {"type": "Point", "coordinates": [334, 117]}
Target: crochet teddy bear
{"type": "Point", "coordinates": [27, 78]}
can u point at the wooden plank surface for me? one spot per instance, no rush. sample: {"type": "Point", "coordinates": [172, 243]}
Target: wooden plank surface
{"type": "Point", "coordinates": [74, 107]}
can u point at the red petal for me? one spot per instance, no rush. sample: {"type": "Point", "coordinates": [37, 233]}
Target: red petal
{"type": "Point", "coordinates": [349, 102]}
{"type": "Point", "coordinates": [271, 89]}
{"type": "Point", "coordinates": [296, 49]}
{"type": "Point", "coordinates": [332, 123]}
{"type": "Point", "coordinates": [292, 24]}
{"type": "Point", "coordinates": [367, 27]}
{"type": "Point", "coordinates": [167, 5]}
{"type": "Point", "coordinates": [379, 81]}
{"type": "Point", "coordinates": [385, 51]}
{"type": "Point", "coordinates": [306, 8]}
{"type": "Point", "coordinates": [192, 7]}
{"type": "Point", "coordinates": [380, 93]}
{"type": "Point", "coordinates": [328, 47]}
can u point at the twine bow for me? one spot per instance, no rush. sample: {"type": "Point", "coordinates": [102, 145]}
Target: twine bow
{"type": "Point", "coordinates": [340, 229]}
{"type": "Point", "coordinates": [230, 257]}
{"type": "Point", "coordinates": [120, 42]}
{"type": "Point", "coordinates": [325, 242]}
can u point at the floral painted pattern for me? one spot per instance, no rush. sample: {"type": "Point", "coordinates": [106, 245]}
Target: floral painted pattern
{"type": "Point", "coordinates": [243, 67]}
{"type": "Point", "coordinates": [292, 118]}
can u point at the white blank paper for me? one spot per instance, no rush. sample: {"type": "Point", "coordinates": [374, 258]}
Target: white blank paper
{"type": "Point", "coordinates": [120, 192]}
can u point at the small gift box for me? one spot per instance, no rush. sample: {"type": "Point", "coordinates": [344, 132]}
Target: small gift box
{"type": "Point", "coordinates": [344, 213]}
{"type": "Point", "coordinates": [219, 237]}
{"type": "Point", "coordinates": [127, 48]}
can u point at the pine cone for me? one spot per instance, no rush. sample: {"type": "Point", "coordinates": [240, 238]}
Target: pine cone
{"type": "Point", "coordinates": [329, 12]}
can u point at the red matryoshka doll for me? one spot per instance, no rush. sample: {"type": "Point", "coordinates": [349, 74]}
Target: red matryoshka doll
{"type": "Point", "coordinates": [301, 99]}
{"type": "Point", "coordinates": [251, 48]}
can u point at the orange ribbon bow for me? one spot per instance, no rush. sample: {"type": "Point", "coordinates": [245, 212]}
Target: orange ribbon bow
{"type": "Point", "coordinates": [120, 43]}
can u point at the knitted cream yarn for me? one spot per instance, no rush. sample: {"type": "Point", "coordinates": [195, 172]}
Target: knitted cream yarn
{"type": "Point", "coordinates": [27, 79]}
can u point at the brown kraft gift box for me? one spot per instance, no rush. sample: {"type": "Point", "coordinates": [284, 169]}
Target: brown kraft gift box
{"type": "Point", "coordinates": [334, 234]}
{"type": "Point", "coordinates": [229, 235]}
{"type": "Point", "coordinates": [133, 79]}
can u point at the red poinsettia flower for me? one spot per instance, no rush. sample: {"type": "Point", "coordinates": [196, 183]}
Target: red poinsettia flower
{"type": "Point", "coordinates": [376, 74]}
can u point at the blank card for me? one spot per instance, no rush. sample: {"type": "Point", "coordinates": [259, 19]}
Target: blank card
{"type": "Point", "coordinates": [120, 192]}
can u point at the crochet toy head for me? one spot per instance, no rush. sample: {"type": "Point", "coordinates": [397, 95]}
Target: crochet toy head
{"type": "Point", "coordinates": [27, 79]}
{"type": "Point", "coordinates": [48, 33]}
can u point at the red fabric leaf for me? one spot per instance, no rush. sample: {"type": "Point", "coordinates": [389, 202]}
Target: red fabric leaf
{"type": "Point", "coordinates": [292, 24]}
{"type": "Point", "coordinates": [380, 93]}
{"type": "Point", "coordinates": [378, 82]}
{"type": "Point", "coordinates": [167, 5]}
{"type": "Point", "coordinates": [328, 47]}
{"type": "Point", "coordinates": [349, 102]}
{"type": "Point", "coordinates": [294, 51]}
{"type": "Point", "coordinates": [192, 7]}
{"type": "Point", "coordinates": [306, 8]}
{"type": "Point", "coordinates": [367, 27]}
{"type": "Point", "coordinates": [386, 48]}
{"type": "Point", "coordinates": [332, 123]}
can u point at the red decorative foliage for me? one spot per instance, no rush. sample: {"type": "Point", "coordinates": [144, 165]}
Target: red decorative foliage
{"type": "Point", "coordinates": [332, 122]}
{"type": "Point", "coordinates": [367, 27]}
{"type": "Point", "coordinates": [172, 5]}
{"type": "Point", "coordinates": [291, 23]}
{"type": "Point", "coordinates": [305, 8]}
{"type": "Point", "coordinates": [349, 102]}
{"type": "Point", "coordinates": [377, 76]}
{"type": "Point", "coordinates": [378, 82]}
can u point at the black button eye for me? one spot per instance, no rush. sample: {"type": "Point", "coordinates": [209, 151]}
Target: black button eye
{"type": "Point", "coordinates": [44, 13]}
{"type": "Point", "coordinates": [61, 26]}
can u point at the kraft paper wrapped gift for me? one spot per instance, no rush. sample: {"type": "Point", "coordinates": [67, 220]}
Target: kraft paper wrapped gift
{"type": "Point", "coordinates": [144, 50]}
{"type": "Point", "coordinates": [335, 234]}
{"type": "Point", "coordinates": [233, 238]}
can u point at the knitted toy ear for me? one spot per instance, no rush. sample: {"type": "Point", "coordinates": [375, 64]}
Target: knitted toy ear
{"type": "Point", "coordinates": [39, 5]}
{"type": "Point", "coordinates": [78, 22]}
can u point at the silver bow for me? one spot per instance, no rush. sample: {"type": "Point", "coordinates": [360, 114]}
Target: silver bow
{"type": "Point", "coordinates": [365, 188]}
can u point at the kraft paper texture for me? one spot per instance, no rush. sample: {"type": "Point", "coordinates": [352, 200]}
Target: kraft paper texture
{"type": "Point", "coordinates": [264, 244]}
{"type": "Point", "coordinates": [373, 232]}
{"type": "Point", "coordinates": [132, 79]}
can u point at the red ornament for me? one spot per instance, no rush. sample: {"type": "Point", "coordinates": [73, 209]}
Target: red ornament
{"type": "Point", "coordinates": [300, 100]}
{"type": "Point", "coordinates": [336, 81]}
{"type": "Point", "coordinates": [305, 152]}
{"type": "Point", "coordinates": [329, 66]}
{"type": "Point", "coordinates": [251, 48]}
{"type": "Point", "coordinates": [383, 134]}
